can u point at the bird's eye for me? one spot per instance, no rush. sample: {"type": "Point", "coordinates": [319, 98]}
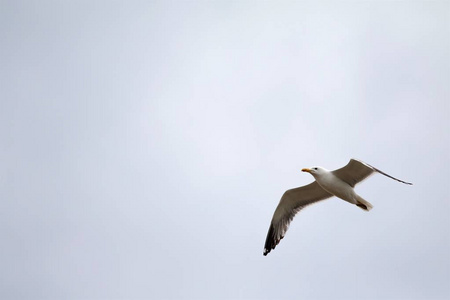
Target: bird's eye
{"type": "Point", "coordinates": [315, 168]}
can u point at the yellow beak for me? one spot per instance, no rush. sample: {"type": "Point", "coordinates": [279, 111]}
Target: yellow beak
{"type": "Point", "coordinates": [306, 170]}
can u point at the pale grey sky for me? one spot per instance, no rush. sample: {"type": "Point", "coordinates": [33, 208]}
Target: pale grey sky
{"type": "Point", "coordinates": [144, 146]}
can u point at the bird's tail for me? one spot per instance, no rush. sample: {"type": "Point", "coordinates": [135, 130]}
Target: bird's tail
{"type": "Point", "coordinates": [363, 204]}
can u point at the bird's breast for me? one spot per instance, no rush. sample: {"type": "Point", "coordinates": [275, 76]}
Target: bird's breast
{"type": "Point", "coordinates": [335, 186]}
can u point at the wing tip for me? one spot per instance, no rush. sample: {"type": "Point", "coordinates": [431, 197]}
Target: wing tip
{"type": "Point", "coordinates": [270, 248]}
{"type": "Point", "coordinates": [271, 241]}
{"type": "Point", "coordinates": [377, 170]}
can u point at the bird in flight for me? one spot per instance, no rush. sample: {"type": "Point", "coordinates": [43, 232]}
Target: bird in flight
{"type": "Point", "coordinates": [339, 183]}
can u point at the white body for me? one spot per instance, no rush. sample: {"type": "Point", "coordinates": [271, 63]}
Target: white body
{"type": "Point", "coordinates": [333, 185]}
{"type": "Point", "coordinates": [337, 187]}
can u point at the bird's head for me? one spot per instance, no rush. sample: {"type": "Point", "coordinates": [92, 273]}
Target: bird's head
{"type": "Point", "coordinates": [314, 171]}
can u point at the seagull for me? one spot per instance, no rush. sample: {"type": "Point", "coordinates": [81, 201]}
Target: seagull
{"type": "Point", "coordinates": [339, 183]}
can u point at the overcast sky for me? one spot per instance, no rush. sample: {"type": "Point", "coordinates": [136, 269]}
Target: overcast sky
{"type": "Point", "coordinates": [144, 146]}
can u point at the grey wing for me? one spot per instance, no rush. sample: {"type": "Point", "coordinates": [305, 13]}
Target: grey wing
{"type": "Point", "coordinates": [356, 171]}
{"type": "Point", "coordinates": [290, 204]}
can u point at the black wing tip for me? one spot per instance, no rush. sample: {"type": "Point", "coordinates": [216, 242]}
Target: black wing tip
{"type": "Point", "coordinates": [269, 245]}
{"type": "Point", "coordinates": [271, 241]}
{"type": "Point", "coordinates": [267, 250]}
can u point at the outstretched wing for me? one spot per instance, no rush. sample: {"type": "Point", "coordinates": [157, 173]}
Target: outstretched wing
{"type": "Point", "coordinates": [291, 203]}
{"type": "Point", "coordinates": [356, 171]}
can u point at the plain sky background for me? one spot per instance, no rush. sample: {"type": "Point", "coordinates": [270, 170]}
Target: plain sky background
{"type": "Point", "coordinates": [144, 146]}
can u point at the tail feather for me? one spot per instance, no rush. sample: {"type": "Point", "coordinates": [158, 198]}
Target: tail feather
{"type": "Point", "coordinates": [363, 204]}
